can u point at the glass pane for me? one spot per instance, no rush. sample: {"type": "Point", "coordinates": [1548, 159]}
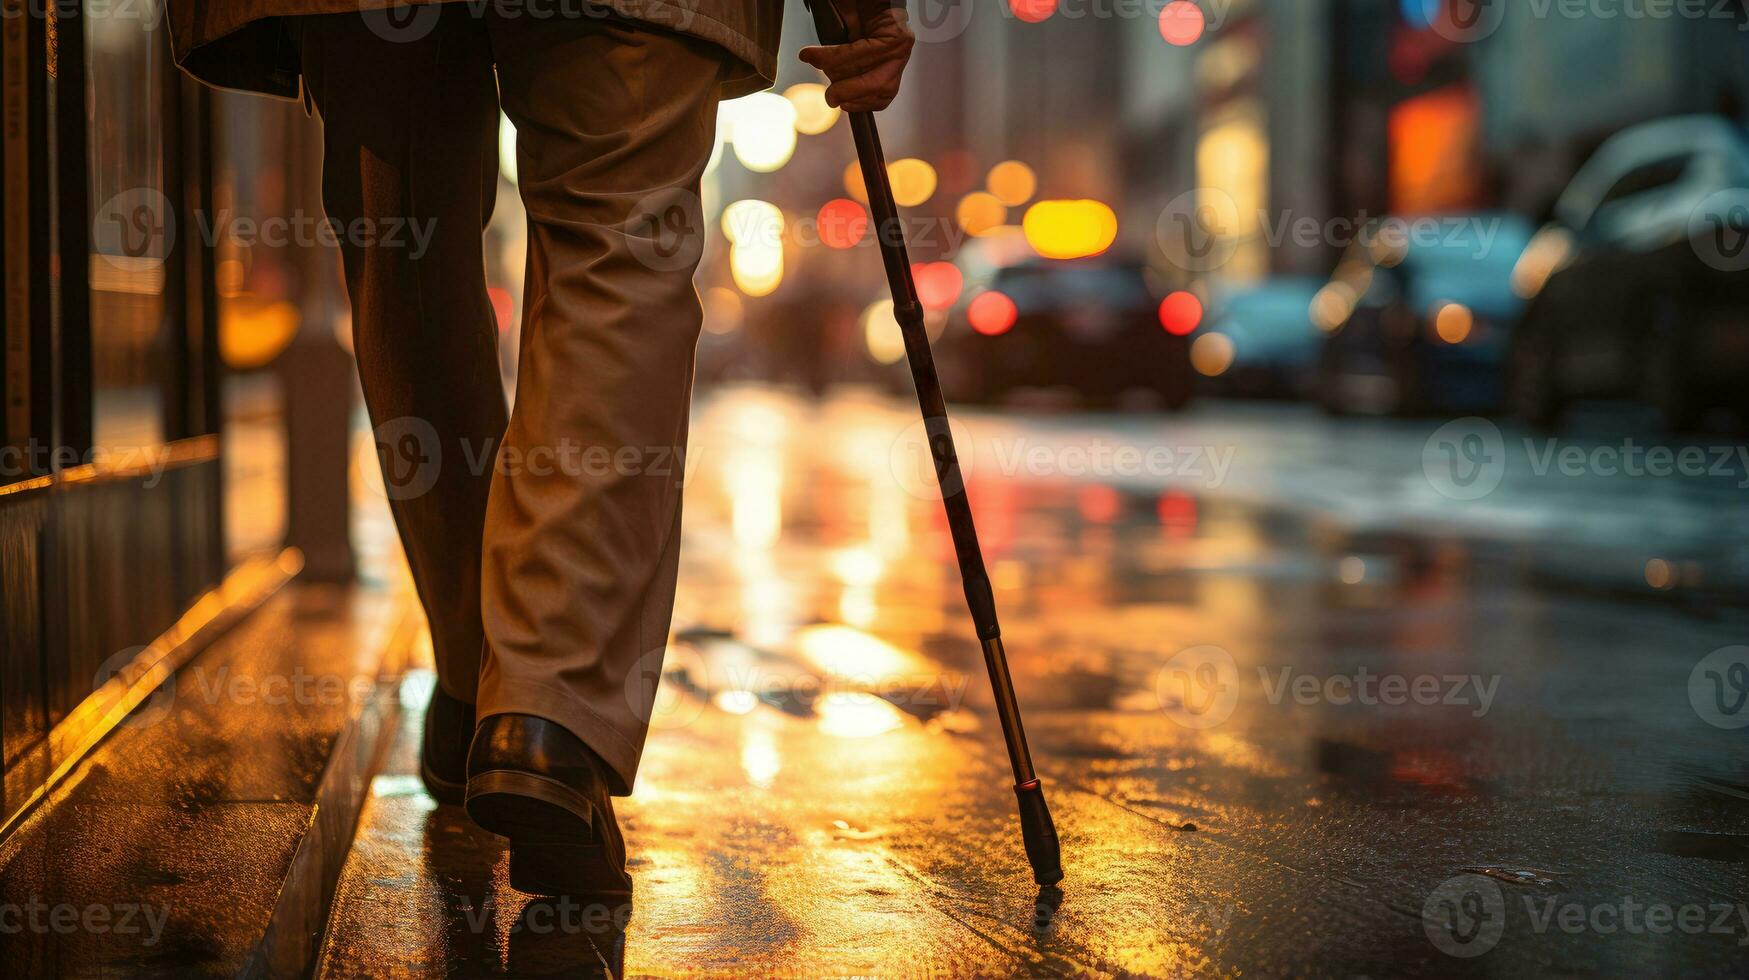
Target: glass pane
{"type": "Point", "coordinates": [132, 227]}
{"type": "Point", "coordinates": [257, 143]}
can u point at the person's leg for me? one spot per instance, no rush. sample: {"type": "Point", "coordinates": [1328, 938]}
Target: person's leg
{"type": "Point", "coordinates": [409, 173]}
{"type": "Point", "coordinates": [615, 124]}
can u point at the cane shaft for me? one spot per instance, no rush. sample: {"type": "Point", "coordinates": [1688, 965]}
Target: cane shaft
{"type": "Point", "coordinates": [1037, 831]}
{"type": "Point", "coordinates": [980, 599]}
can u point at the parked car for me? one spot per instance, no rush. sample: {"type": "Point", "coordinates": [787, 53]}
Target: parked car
{"type": "Point", "coordinates": [1273, 343]}
{"type": "Point", "coordinates": [1418, 315]}
{"type": "Point", "coordinates": [1089, 325]}
{"type": "Point", "coordinates": [1637, 288]}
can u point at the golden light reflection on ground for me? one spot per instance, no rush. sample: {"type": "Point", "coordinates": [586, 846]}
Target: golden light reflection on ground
{"type": "Point", "coordinates": [826, 793]}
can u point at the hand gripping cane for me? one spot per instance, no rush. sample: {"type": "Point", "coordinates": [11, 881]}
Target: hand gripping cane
{"type": "Point", "coordinates": [1036, 829]}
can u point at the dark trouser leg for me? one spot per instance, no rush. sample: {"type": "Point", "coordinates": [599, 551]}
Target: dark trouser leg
{"type": "Point", "coordinates": [615, 124]}
{"type": "Point", "coordinates": [408, 176]}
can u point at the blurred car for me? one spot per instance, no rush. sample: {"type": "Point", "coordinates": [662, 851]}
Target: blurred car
{"type": "Point", "coordinates": [1090, 325]}
{"type": "Point", "coordinates": [1637, 287]}
{"type": "Point", "coordinates": [1274, 347]}
{"type": "Point", "coordinates": [1418, 315]}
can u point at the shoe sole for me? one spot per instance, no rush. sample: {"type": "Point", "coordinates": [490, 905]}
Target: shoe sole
{"type": "Point", "coordinates": [559, 844]}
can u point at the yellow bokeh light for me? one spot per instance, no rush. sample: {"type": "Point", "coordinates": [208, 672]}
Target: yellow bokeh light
{"type": "Point", "coordinates": [757, 268]}
{"type": "Point", "coordinates": [1069, 229]}
{"type": "Point", "coordinates": [880, 331]}
{"type": "Point", "coordinates": [980, 213]}
{"type": "Point", "coordinates": [813, 115]}
{"type": "Point", "coordinates": [1211, 355]}
{"type": "Point", "coordinates": [1012, 183]}
{"type": "Point", "coordinates": [913, 181]}
{"type": "Point", "coordinates": [753, 222]}
{"type": "Point", "coordinates": [762, 130]}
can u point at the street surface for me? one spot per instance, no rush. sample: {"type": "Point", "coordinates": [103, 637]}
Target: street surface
{"type": "Point", "coordinates": [1309, 697]}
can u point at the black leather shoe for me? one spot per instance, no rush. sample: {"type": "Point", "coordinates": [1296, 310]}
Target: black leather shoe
{"type": "Point", "coordinates": [443, 752]}
{"type": "Point", "coordinates": [532, 781]}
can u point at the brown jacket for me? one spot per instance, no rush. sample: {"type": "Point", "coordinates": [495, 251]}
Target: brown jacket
{"type": "Point", "coordinates": [241, 44]}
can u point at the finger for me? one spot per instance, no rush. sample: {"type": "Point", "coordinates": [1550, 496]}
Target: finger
{"type": "Point", "coordinates": [861, 88]}
{"type": "Point", "coordinates": [840, 61]}
{"type": "Point", "coordinates": [864, 93]}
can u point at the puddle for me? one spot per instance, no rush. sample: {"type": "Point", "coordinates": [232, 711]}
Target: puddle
{"type": "Point", "coordinates": [1516, 876]}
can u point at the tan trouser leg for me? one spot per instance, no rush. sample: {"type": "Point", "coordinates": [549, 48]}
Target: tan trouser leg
{"type": "Point", "coordinates": [615, 124]}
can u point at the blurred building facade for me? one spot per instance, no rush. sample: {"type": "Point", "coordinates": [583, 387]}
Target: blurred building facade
{"type": "Point", "coordinates": [1552, 89]}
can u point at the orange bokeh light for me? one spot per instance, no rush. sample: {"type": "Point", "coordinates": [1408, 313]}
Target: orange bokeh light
{"type": "Point", "coordinates": [1033, 11]}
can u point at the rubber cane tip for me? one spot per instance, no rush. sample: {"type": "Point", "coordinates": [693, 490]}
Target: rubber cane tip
{"type": "Point", "coordinates": [1039, 834]}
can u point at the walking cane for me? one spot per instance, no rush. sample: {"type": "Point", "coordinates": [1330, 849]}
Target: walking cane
{"type": "Point", "coordinates": [1036, 829]}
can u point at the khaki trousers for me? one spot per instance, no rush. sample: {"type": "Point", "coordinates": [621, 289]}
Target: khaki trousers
{"type": "Point", "coordinates": [547, 569]}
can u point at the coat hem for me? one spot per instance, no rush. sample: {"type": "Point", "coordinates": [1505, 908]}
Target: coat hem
{"type": "Point", "coordinates": [242, 48]}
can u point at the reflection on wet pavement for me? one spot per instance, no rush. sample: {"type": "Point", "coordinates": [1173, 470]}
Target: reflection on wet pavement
{"type": "Point", "coordinates": [1277, 739]}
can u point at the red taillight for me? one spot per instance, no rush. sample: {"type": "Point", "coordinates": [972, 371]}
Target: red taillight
{"type": "Point", "coordinates": [1181, 314]}
{"type": "Point", "coordinates": [992, 314]}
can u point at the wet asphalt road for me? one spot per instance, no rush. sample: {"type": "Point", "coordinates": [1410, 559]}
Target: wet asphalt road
{"type": "Point", "coordinates": [1309, 697]}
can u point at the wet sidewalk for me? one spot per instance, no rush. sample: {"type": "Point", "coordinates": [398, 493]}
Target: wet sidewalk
{"type": "Point", "coordinates": [1273, 746]}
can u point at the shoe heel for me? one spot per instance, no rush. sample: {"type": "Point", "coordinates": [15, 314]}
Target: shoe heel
{"type": "Point", "coordinates": [530, 809]}
{"type": "Point", "coordinates": [559, 842]}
